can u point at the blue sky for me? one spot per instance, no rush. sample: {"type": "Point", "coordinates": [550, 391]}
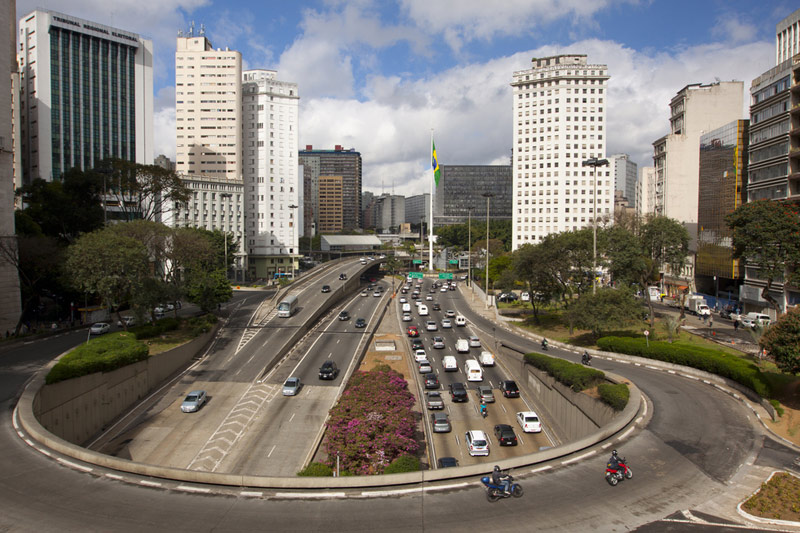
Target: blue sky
{"type": "Point", "coordinates": [377, 76]}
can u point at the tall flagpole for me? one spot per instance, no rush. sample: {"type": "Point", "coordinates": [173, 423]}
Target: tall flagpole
{"type": "Point", "coordinates": [430, 222]}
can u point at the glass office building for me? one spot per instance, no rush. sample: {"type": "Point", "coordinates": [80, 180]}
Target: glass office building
{"type": "Point", "coordinates": [462, 187]}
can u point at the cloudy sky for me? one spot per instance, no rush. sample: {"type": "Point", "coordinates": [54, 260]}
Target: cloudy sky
{"type": "Point", "coordinates": [378, 76]}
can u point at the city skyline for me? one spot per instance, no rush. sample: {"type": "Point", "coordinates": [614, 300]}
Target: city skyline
{"type": "Point", "coordinates": [386, 74]}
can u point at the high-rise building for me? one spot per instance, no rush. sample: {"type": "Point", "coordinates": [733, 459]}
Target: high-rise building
{"type": "Point", "coordinates": [694, 110]}
{"type": "Point", "coordinates": [462, 188]}
{"type": "Point", "coordinates": [271, 172]}
{"type": "Point", "coordinates": [86, 95]}
{"type": "Point", "coordinates": [787, 38]}
{"type": "Point", "coordinates": [390, 213]}
{"type": "Point", "coordinates": [418, 208]}
{"type": "Point", "coordinates": [625, 172]}
{"type": "Point", "coordinates": [330, 201]}
{"type": "Point", "coordinates": [559, 111]}
{"type": "Point", "coordinates": [346, 164]}
{"type": "Point", "coordinates": [722, 186]}
{"type": "Point", "coordinates": [645, 191]}
{"type": "Point", "coordinates": [164, 162]}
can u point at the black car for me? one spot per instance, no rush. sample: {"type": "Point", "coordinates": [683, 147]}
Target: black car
{"type": "Point", "coordinates": [507, 297]}
{"type": "Point", "coordinates": [328, 370]}
{"type": "Point", "coordinates": [431, 381]}
{"type": "Point", "coordinates": [505, 435]}
{"type": "Point", "coordinates": [437, 307]}
{"type": "Point", "coordinates": [326, 288]}
{"type": "Point", "coordinates": [344, 315]}
{"type": "Point", "coordinates": [361, 323]}
{"type": "Point", "coordinates": [448, 462]}
{"type": "Point", "coordinates": [342, 276]}
{"type": "Point", "coordinates": [458, 392]}
{"type": "Point", "coordinates": [509, 388]}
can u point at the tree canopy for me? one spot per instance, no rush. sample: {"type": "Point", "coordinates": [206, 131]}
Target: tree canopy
{"type": "Point", "coordinates": [782, 341]}
{"type": "Point", "coordinates": [605, 310]}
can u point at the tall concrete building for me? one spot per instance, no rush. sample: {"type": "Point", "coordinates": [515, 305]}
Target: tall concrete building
{"type": "Point", "coordinates": [645, 191]}
{"type": "Point", "coordinates": [418, 208]}
{"type": "Point", "coordinates": [694, 110]}
{"type": "Point", "coordinates": [86, 94]}
{"type": "Point", "coordinates": [559, 113]}
{"type": "Point", "coordinates": [462, 188]}
{"type": "Point", "coordinates": [330, 199]}
{"type": "Point", "coordinates": [271, 172]}
{"type": "Point", "coordinates": [625, 174]}
{"type": "Point", "coordinates": [346, 164]}
{"type": "Point", "coordinates": [390, 213]}
{"type": "Point", "coordinates": [787, 38]}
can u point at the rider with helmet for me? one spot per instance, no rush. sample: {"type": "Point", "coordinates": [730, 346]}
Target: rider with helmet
{"type": "Point", "coordinates": [544, 344]}
{"type": "Point", "coordinates": [613, 463]}
{"type": "Point", "coordinates": [483, 408]}
{"type": "Point", "coordinates": [500, 478]}
{"type": "Point", "coordinates": [586, 357]}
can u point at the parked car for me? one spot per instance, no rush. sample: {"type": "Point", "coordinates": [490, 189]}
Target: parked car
{"type": "Point", "coordinates": [360, 323]}
{"type": "Point", "coordinates": [438, 342]}
{"type": "Point", "coordinates": [509, 388]}
{"type": "Point", "coordinates": [477, 443]}
{"type": "Point", "coordinates": [458, 392]}
{"type": "Point", "coordinates": [328, 370]}
{"type": "Point", "coordinates": [431, 381]}
{"type": "Point", "coordinates": [127, 321]}
{"type": "Point", "coordinates": [433, 400]}
{"type": "Point", "coordinates": [525, 297]}
{"type": "Point", "coordinates": [194, 401]}
{"type": "Point", "coordinates": [505, 435]}
{"type": "Point", "coordinates": [440, 422]}
{"type": "Point", "coordinates": [529, 422]}
{"type": "Point", "coordinates": [326, 288]}
{"type": "Point", "coordinates": [485, 394]}
{"type": "Point", "coordinates": [507, 297]}
{"type": "Point", "coordinates": [412, 331]}
{"type": "Point", "coordinates": [99, 328]}
{"type": "Point", "coordinates": [728, 312]}
{"type": "Point", "coordinates": [344, 315]}
{"type": "Point", "coordinates": [291, 386]}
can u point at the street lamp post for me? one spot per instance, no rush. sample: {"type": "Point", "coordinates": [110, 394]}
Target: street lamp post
{"type": "Point", "coordinates": [469, 246]}
{"type": "Point", "coordinates": [225, 232]}
{"type": "Point", "coordinates": [294, 228]}
{"type": "Point", "coordinates": [487, 195]}
{"type": "Point", "coordinates": [594, 163]}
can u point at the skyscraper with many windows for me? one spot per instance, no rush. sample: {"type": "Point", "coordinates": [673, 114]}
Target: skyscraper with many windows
{"type": "Point", "coordinates": [86, 94]}
{"type": "Point", "coordinates": [559, 122]}
{"type": "Point", "coordinates": [343, 167]}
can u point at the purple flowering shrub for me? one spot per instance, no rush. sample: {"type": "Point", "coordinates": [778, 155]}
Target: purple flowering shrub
{"type": "Point", "coordinates": [372, 424]}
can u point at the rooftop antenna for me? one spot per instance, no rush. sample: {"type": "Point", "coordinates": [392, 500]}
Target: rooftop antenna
{"type": "Point", "coordinates": [191, 29]}
{"type": "Point", "coordinates": [202, 29]}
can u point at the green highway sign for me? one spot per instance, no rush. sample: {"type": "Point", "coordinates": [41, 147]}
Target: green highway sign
{"type": "Point", "coordinates": [454, 261]}
{"type": "Point", "coordinates": [417, 261]}
{"type": "Point", "coordinates": [446, 275]}
{"type": "Point", "coordinates": [418, 275]}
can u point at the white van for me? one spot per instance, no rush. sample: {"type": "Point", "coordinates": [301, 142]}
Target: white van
{"type": "Point", "coordinates": [449, 363]}
{"type": "Point", "coordinates": [473, 370]}
{"type": "Point", "coordinates": [423, 310]}
{"type": "Point", "coordinates": [462, 346]}
{"type": "Point", "coordinates": [487, 358]}
{"type": "Point", "coordinates": [461, 321]}
{"type": "Point", "coordinates": [406, 308]}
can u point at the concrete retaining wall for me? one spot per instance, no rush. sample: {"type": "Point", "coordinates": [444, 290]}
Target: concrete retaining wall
{"type": "Point", "coordinates": [79, 408]}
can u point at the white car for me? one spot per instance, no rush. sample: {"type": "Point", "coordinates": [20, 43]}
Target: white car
{"type": "Point", "coordinates": [364, 293]}
{"type": "Point", "coordinates": [99, 328]}
{"type": "Point", "coordinates": [403, 300]}
{"type": "Point", "coordinates": [420, 355]}
{"type": "Point", "coordinates": [423, 310]}
{"type": "Point", "coordinates": [447, 323]}
{"type": "Point", "coordinates": [449, 363]}
{"type": "Point", "coordinates": [461, 321]}
{"type": "Point", "coordinates": [525, 297]}
{"type": "Point", "coordinates": [443, 289]}
{"type": "Point", "coordinates": [429, 298]}
{"type": "Point", "coordinates": [291, 386]}
{"type": "Point", "coordinates": [462, 346]}
{"type": "Point", "coordinates": [127, 321]}
{"type": "Point", "coordinates": [430, 325]}
{"type": "Point", "coordinates": [474, 342]}
{"type": "Point", "coordinates": [425, 367]}
{"type": "Point", "coordinates": [529, 422]}
{"type": "Point", "coordinates": [477, 443]}
{"type": "Point", "coordinates": [406, 317]}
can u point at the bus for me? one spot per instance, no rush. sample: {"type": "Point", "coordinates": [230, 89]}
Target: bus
{"type": "Point", "coordinates": [288, 306]}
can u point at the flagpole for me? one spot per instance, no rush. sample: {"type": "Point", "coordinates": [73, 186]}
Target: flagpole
{"type": "Point", "coordinates": [430, 223]}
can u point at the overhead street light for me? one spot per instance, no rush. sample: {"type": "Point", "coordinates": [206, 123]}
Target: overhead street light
{"type": "Point", "coordinates": [294, 228]}
{"type": "Point", "coordinates": [487, 195]}
{"type": "Point", "coordinates": [594, 163]}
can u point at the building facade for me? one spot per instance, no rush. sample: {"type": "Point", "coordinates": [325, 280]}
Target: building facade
{"type": "Point", "coordinates": [462, 188]}
{"type": "Point", "coordinates": [331, 204]}
{"type": "Point", "coordinates": [390, 213]}
{"type": "Point", "coordinates": [86, 95]}
{"type": "Point", "coordinates": [559, 110]}
{"type": "Point", "coordinates": [787, 38]}
{"type": "Point", "coordinates": [270, 118]}
{"type": "Point", "coordinates": [418, 208]}
{"type": "Point", "coordinates": [645, 191]}
{"type": "Point", "coordinates": [344, 164]}
{"type": "Point", "coordinates": [625, 176]}
{"type": "Point", "coordinates": [722, 189]}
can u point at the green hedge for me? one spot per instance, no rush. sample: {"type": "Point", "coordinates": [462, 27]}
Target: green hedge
{"type": "Point", "coordinates": [575, 376]}
{"type": "Point", "coordinates": [102, 354]}
{"type": "Point", "coordinates": [148, 331]}
{"type": "Point", "coordinates": [316, 470]}
{"type": "Point", "coordinates": [616, 395]}
{"type": "Point", "coordinates": [404, 463]}
{"type": "Point", "coordinates": [701, 358]}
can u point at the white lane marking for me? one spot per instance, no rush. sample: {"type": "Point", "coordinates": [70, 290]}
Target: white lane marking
{"type": "Point", "coordinates": [309, 495]}
{"type": "Point", "coordinates": [381, 493]}
{"type": "Point", "coordinates": [580, 457]}
{"type": "Point", "coordinates": [621, 437]}
{"type": "Point", "coordinates": [541, 469]}
{"type": "Point", "coordinates": [272, 450]}
{"type": "Point", "coordinates": [149, 483]}
{"type": "Point", "coordinates": [292, 417]}
{"type": "Point", "coordinates": [251, 494]}
{"type": "Point", "coordinates": [114, 476]}
{"type": "Point", "coordinates": [193, 489]}
{"type": "Point", "coordinates": [73, 465]}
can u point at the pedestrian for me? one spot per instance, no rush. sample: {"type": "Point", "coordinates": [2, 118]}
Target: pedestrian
{"type": "Point", "coordinates": [736, 325]}
{"type": "Point", "coordinates": [711, 321]}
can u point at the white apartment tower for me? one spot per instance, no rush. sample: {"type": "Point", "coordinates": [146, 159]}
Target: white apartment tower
{"type": "Point", "coordinates": [559, 115]}
{"type": "Point", "coordinates": [624, 172]}
{"type": "Point", "coordinates": [787, 38]}
{"type": "Point", "coordinates": [270, 121]}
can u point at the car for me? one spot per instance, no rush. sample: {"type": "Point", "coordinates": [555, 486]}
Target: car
{"type": "Point", "coordinates": [438, 342]}
{"type": "Point", "coordinates": [452, 286]}
{"type": "Point", "coordinates": [170, 307]}
{"type": "Point", "coordinates": [447, 462]}
{"type": "Point", "coordinates": [507, 297]}
{"type": "Point", "coordinates": [416, 344]}
{"type": "Point", "coordinates": [433, 400]}
{"type": "Point", "coordinates": [365, 293]}
{"type": "Point", "coordinates": [407, 317]}
{"type": "Point", "coordinates": [417, 303]}
{"type": "Point", "coordinates": [505, 435]}
{"type": "Point", "coordinates": [477, 443]}
{"type": "Point", "coordinates": [449, 363]}
{"type": "Point", "coordinates": [430, 325]}
{"type": "Point", "coordinates": [194, 401]}
{"type": "Point", "coordinates": [420, 355]}
{"type": "Point", "coordinates": [377, 294]}
{"type": "Point", "coordinates": [462, 346]}
{"type": "Point", "coordinates": [509, 388]}
{"type": "Point", "coordinates": [436, 306]}
{"type": "Point", "coordinates": [485, 394]}
{"type": "Point", "coordinates": [443, 289]}
{"type": "Point", "coordinates": [342, 276]}
{"type": "Point", "coordinates": [99, 328]}
{"type": "Point", "coordinates": [474, 342]}
{"type": "Point", "coordinates": [461, 321]}
{"type": "Point", "coordinates": [525, 297]}
{"type": "Point", "coordinates": [440, 422]}
{"type": "Point", "coordinates": [728, 312]}
{"type": "Point", "coordinates": [403, 300]}
{"type": "Point", "coordinates": [326, 288]}
{"type": "Point", "coordinates": [344, 315]}
{"type": "Point", "coordinates": [328, 370]}
{"type": "Point", "coordinates": [458, 392]}
{"type": "Point", "coordinates": [127, 321]}
{"type": "Point", "coordinates": [414, 296]}
{"type": "Point", "coordinates": [431, 381]}
{"type": "Point", "coordinates": [423, 310]}
{"type": "Point", "coordinates": [429, 298]}
{"type": "Point", "coordinates": [449, 313]}
{"type": "Point", "coordinates": [529, 422]}
{"type": "Point", "coordinates": [447, 323]}
{"type": "Point", "coordinates": [412, 331]}
{"type": "Point", "coordinates": [425, 367]}
{"type": "Point", "coordinates": [360, 323]}
{"type": "Point", "coordinates": [160, 310]}
{"type": "Point", "coordinates": [403, 291]}
{"type": "Point", "coordinates": [291, 387]}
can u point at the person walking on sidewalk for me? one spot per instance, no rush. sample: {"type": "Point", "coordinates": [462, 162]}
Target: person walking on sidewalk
{"type": "Point", "coordinates": [736, 325]}
{"type": "Point", "coordinates": [711, 321]}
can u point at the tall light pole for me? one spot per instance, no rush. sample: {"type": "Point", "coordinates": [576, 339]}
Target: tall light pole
{"type": "Point", "coordinates": [469, 246]}
{"type": "Point", "coordinates": [294, 228]}
{"type": "Point", "coordinates": [487, 195]}
{"type": "Point", "coordinates": [594, 163]}
{"type": "Point", "coordinates": [224, 231]}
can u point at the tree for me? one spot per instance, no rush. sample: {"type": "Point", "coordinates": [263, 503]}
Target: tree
{"type": "Point", "coordinates": [208, 289]}
{"type": "Point", "coordinates": [528, 266]}
{"type": "Point", "coordinates": [782, 342]}
{"type": "Point", "coordinates": [766, 234]}
{"type": "Point", "coordinates": [142, 191]}
{"type": "Point", "coordinates": [497, 266]}
{"type": "Point", "coordinates": [606, 309]}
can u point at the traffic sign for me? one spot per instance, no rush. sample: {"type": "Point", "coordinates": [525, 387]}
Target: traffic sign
{"type": "Point", "coordinates": [418, 275]}
{"type": "Point", "coordinates": [446, 275]}
{"type": "Point", "coordinates": [417, 261]}
{"type": "Point", "coordinates": [454, 261]}
{"type": "Point", "coordinates": [646, 333]}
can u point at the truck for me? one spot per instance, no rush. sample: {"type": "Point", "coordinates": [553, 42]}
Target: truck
{"type": "Point", "coordinates": [697, 304]}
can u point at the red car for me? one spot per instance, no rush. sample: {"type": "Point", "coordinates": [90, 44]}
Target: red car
{"type": "Point", "coordinates": [412, 331]}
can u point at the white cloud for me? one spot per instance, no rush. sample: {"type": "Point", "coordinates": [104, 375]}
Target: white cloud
{"type": "Point", "coordinates": [164, 123]}
{"type": "Point", "coordinates": [730, 28]}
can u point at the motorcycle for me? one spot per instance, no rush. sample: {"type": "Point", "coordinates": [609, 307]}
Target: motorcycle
{"type": "Point", "coordinates": [586, 358]}
{"type": "Point", "coordinates": [484, 411]}
{"type": "Point", "coordinates": [615, 475]}
{"type": "Point", "coordinates": [495, 492]}
{"type": "Point", "coordinates": [544, 345]}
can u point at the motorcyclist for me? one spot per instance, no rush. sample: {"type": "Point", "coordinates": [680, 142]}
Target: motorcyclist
{"type": "Point", "coordinates": [544, 344]}
{"type": "Point", "coordinates": [483, 408]}
{"type": "Point", "coordinates": [501, 479]}
{"type": "Point", "coordinates": [614, 462]}
{"type": "Point", "coordinates": [586, 357]}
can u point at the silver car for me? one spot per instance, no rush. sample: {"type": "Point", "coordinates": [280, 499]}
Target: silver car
{"type": "Point", "coordinates": [485, 394]}
{"type": "Point", "coordinates": [291, 387]}
{"type": "Point", "coordinates": [440, 422]}
{"type": "Point", "coordinates": [194, 401]}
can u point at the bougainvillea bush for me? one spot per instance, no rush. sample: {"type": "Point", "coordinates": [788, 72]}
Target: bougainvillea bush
{"type": "Point", "coordinates": [372, 424]}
